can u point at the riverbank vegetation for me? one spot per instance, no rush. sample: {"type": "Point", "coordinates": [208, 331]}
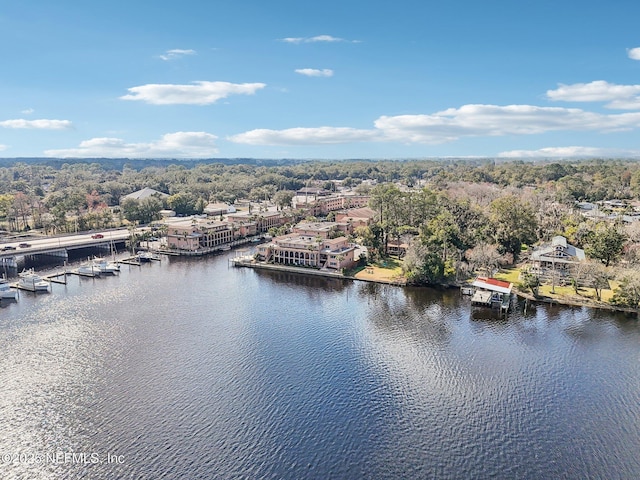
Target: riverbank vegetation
{"type": "Point", "coordinates": [451, 217]}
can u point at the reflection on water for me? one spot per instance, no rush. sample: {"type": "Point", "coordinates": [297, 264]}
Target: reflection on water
{"type": "Point", "coordinates": [192, 369]}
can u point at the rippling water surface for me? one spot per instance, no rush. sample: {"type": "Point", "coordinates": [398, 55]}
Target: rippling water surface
{"type": "Point", "coordinates": [191, 369]}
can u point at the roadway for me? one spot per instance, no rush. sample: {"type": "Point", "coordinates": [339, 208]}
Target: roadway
{"type": "Point", "coordinates": [48, 244]}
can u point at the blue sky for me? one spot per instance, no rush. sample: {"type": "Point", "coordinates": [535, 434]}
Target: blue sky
{"type": "Point", "coordinates": [319, 79]}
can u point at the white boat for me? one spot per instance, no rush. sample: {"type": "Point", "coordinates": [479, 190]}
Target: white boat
{"type": "Point", "coordinates": [146, 256]}
{"type": "Point", "coordinates": [88, 269]}
{"type": "Point", "coordinates": [6, 291]}
{"type": "Point", "coordinates": [33, 282]}
{"type": "Point", "coordinates": [104, 266]}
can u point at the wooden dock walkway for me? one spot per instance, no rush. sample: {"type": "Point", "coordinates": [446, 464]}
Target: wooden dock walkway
{"type": "Point", "coordinates": [53, 278]}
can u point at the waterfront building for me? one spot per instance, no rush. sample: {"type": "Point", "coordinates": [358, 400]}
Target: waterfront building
{"type": "Point", "coordinates": [558, 252]}
{"type": "Point", "coordinates": [196, 233]}
{"type": "Point", "coordinates": [558, 256]}
{"type": "Point", "coordinates": [492, 292]}
{"type": "Point", "coordinates": [308, 250]}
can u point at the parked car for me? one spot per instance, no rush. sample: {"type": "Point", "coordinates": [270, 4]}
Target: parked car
{"type": "Point", "coordinates": [97, 235]}
{"type": "Point", "coordinates": [8, 247]}
{"type": "Point", "coordinates": [24, 245]}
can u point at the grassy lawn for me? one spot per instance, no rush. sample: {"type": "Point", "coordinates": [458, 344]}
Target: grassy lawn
{"type": "Point", "coordinates": [560, 292]}
{"type": "Point", "coordinates": [385, 270]}
{"type": "Point", "coordinates": [509, 275]}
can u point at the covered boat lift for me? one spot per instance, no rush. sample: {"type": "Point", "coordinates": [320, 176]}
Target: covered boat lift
{"type": "Point", "coordinates": [492, 292]}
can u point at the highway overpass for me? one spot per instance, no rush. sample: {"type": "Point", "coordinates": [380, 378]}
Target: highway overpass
{"type": "Point", "coordinates": [58, 246]}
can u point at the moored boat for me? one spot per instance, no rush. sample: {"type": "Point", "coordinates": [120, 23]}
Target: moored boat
{"type": "Point", "coordinates": [145, 256]}
{"type": "Point", "coordinates": [104, 266]}
{"type": "Point", "coordinates": [6, 291]}
{"type": "Point", "coordinates": [88, 269]}
{"type": "Point", "coordinates": [29, 280]}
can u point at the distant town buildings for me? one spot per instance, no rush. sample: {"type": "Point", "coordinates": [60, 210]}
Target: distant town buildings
{"type": "Point", "coordinates": [263, 220]}
{"type": "Point", "coordinates": [611, 210]}
{"type": "Point", "coordinates": [323, 205]}
{"type": "Point", "coordinates": [315, 244]}
{"type": "Point", "coordinates": [218, 209]}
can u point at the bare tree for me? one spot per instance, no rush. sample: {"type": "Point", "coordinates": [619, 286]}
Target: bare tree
{"type": "Point", "coordinates": [484, 257]}
{"type": "Point", "coordinates": [591, 274]}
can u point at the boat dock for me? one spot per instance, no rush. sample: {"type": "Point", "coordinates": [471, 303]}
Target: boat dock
{"type": "Point", "coordinates": [53, 278]}
{"type": "Point", "coordinates": [481, 297]}
{"type": "Point", "coordinates": [491, 292]}
{"type": "Point", "coordinates": [61, 277]}
{"type": "Point", "coordinates": [130, 261]}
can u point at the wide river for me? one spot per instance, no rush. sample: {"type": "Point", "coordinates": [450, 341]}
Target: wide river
{"type": "Point", "coordinates": [189, 368]}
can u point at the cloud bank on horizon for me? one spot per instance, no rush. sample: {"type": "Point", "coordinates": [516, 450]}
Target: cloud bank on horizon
{"type": "Point", "coordinates": [171, 145]}
{"type": "Point", "coordinates": [255, 96]}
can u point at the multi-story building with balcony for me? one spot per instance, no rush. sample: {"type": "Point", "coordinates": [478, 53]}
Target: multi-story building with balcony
{"type": "Point", "coordinates": [310, 251]}
{"type": "Point", "coordinates": [323, 205]}
{"type": "Point", "coordinates": [264, 220]}
{"type": "Point", "coordinates": [195, 234]}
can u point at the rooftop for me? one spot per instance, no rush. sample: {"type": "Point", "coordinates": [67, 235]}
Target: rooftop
{"type": "Point", "coordinates": [493, 284]}
{"type": "Point", "coordinates": [146, 192]}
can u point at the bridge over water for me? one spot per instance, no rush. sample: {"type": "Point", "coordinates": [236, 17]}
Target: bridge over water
{"type": "Point", "coordinates": [12, 255]}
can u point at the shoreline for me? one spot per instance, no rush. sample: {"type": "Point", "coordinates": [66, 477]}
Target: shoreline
{"type": "Point", "coordinates": [569, 303]}
{"type": "Point", "coordinates": [251, 263]}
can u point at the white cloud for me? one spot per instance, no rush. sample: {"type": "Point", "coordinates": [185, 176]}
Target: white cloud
{"type": "Point", "coordinates": [176, 53]}
{"type": "Point", "coordinates": [197, 93]}
{"type": "Point", "coordinates": [27, 111]}
{"type": "Point", "coordinates": [42, 124]}
{"type": "Point", "coordinates": [450, 125]}
{"type": "Point", "coordinates": [171, 145]}
{"type": "Point", "coordinates": [316, 39]}
{"type": "Point", "coordinates": [314, 72]}
{"type": "Point", "coordinates": [304, 136]}
{"type": "Point", "coordinates": [495, 120]}
{"type": "Point", "coordinates": [570, 152]}
{"type": "Point", "coordinates": [624, 97]}
{"type": "Point", "coordinates": [634, 53]}
{"type": "Point", "coordinates": [3, 147]}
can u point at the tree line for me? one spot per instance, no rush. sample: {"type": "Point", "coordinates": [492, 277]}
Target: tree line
{"type": "Point", "coordinates": [454, 214]}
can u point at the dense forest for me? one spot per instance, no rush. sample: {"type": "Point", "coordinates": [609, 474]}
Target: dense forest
{"type": "Point", "coordinates": [454, 214]}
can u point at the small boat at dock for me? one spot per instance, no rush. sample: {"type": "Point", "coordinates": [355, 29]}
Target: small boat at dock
{"type": "Point", "coordinates": [6, 291]}
{"type": "Point", "coordinates": [146, 256]}
{"type": "Point", "coordinates": [29, 280]}
{"type": "Point", "coordinates": [88, 270]}
{"type": "Point", "coordinates": [104, 266]}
